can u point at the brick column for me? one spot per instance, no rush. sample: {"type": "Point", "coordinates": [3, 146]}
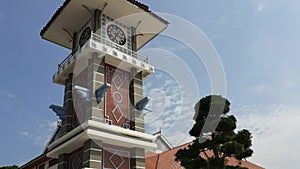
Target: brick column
{"type": "Point", "coordinates": [95, 111]}
{"type": "Point", "coordinates": [63, 161]}
{"type": "Point", "coordinates": [138, 156]}
{"type": "Point", "coordinates": [68, 104]}
{"type": "Point", "coordinates": [136, 94]}
{"type": "Point", "coordinates": [92, 154]}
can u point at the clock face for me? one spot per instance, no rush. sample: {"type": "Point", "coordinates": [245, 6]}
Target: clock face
{"type": "Point", "coordinates": [85, 35]}
{"type": "Point", "coordinates": [116, 34]}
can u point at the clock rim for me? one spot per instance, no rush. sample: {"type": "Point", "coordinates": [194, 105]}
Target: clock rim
{"type": "Point", "coordinates": [123, 32]}
{"type": "Point", "coordinates": [80, 42]}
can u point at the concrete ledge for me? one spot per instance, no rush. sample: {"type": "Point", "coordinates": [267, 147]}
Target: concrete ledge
{"type": "Point", "coordinates": [108, 134]}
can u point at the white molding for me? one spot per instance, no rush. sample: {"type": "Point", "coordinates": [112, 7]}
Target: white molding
{"type": "Point", "coordinates": [117, 129]}
{"type": "Point", "coordinates": [68, 135]}
{"type": "Point", "coordinates": [92, 149]}
{"type": "Point", "coordinates": [138, 167]}
{"type": "Point", "coordinates": [108, 134]}
{"type": "Point", "coordinates": [137, 86]}
{"type": "Point", "coordinates": [96, 161]}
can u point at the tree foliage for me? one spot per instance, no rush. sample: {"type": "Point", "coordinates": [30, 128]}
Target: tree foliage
{"type": "Point", "coordinates": [9, 167]}
{"type": "Point", "coordinates": [216, 138]}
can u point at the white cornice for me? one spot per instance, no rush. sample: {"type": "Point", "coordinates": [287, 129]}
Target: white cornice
{"type": "Point", "coordinates": [108, 134]}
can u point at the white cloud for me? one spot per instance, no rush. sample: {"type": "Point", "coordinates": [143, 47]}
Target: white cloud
{"type": "Point", "coordinates": [173, 91]}
{"type": "Point", "coordinates": [275, 136]}
{"type": "Point", "coordinates": [172, 108]}
{"type": "Point", "coordinates": [24, 133]}
{"type": "Point", "coordinates": [52, 124]}
{"type": "Point", "coordinates": [260, 88]}
{"type": "Point", "coordinates": [178, 138]}
{"type": "Point", "coordinates": [40, 134]}
{"type": "Point", "coordinates": [261, 7]}
{"type": "Point", "coordinates": [10, 95]}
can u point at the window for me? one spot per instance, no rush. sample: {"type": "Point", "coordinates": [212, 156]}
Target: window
{"type": "Point", "coordinates": [42, 166]}
{"type": "Point", "coordinates": [53, 162]}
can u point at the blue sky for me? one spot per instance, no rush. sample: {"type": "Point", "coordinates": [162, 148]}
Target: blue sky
{"type": "Point", "coordinates": [258, 44]}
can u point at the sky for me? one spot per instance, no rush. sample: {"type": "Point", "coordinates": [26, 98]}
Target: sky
{"type": "Point", "coordinates": [258, 46]}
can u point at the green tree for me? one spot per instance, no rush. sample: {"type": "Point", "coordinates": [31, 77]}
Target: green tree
{"type": "Point", "coordinates": [215, 136]}
{"type": "Point", "coordinates": [9, 167]}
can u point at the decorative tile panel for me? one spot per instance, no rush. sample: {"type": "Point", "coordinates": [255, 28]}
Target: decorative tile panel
{"type": "Point", "coordinates": [117, 103]}
{"type": "Point", "coordinates": [116, 157]}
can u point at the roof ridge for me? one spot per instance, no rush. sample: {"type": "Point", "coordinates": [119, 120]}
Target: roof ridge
{"type": "Point", "coordinates": [157, 161]}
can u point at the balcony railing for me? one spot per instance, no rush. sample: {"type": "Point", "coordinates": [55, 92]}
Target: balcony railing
{"type": "Point", "coordinates": [112, 45]}
{"type": "Point", "coordinates": [65, 60]}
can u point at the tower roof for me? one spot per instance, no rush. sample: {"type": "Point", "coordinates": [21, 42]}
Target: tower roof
{"type": "Point", "coordinates": [74, 14]}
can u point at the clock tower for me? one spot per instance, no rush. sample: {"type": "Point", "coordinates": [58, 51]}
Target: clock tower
{"type": "Point", "coordinates": [102, 126]}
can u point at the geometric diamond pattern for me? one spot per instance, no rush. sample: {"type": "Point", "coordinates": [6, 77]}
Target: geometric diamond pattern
{"type": "Point", "coordinates": [116, 160]}
{"type": "Point", "coordinates": [117, 81]}
{"type": "Point", "coordinates": [117, 113]}
{"type": "Point", "coordinates": [117, 99]}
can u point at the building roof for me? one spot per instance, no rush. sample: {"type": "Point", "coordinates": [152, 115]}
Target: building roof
{"type": "Point", "coordinates": [157, 161]}
{"type": "Point", "coordinates": [167, 160]}
{"type": "Point", "coordinates": [73, 15]}
{"type": "Point", "coordinates": [36, 161]}
{"type": "Point", "coordinates": [162, 143]}
{"type": "Point", "coordinates": [134, 2]}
